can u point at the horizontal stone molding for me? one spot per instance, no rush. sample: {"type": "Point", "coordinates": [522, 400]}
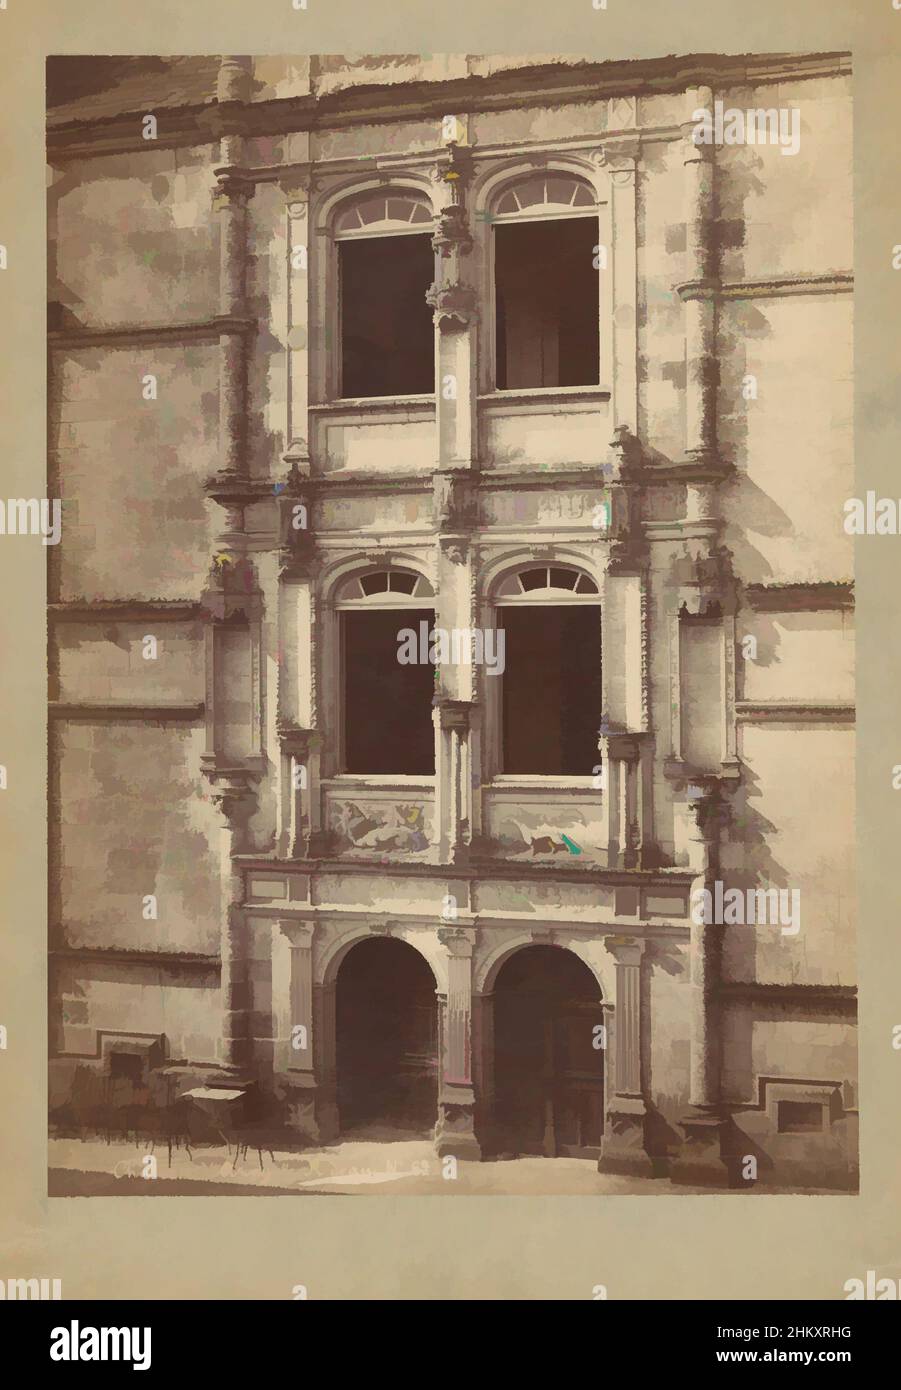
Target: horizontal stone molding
{"type": "Point", "coordinates": [826, 282]}
{"type": "Point", "coordinates": [818, 998]}
{"type": "Point", "coordinates": [142, 334]}
{"type": "Point", "coordinates": [125, 611]}
{"type": "Point", "coordinates": [796, 711]}
{"type": "Point", "coordinates": [798, 598]}
{"type": "Point", "coordinates": [111, 712]}
{"type": "Point", "coordinates": [552, 84]}
{"type": "Point", "coordinates": [488, 870]}
{"type": "Point", "coordinates": [113, 955]}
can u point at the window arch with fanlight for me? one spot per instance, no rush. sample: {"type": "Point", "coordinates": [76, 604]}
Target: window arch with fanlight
{"type": "Point", "coordinates": [550, 698]}
{"type": "Point", "coordinates": [386, 704]}
{"type": "Point", "coordinates": [384, 266]}
{"type": "Point", "coordinates": [546, 306]}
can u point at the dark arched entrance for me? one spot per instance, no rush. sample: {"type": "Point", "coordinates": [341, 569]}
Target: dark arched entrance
{"type": "Point", "coordinates": [549, 1075]}
{"type": "Point", "coordinates": [386, 1019]}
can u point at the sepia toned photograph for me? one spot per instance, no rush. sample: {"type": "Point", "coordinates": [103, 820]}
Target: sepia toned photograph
{"type": "Point", "coordinates": [450, 651]}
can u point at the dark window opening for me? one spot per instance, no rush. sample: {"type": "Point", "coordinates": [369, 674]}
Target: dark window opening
{"type": "Point", "coordinates": [387, 335]}
{"type": "Point", "coordinates": [547, 303]}
{"type": "Point", "coordinates": [387, 706]}
{"type": "Point", "coordinates": [127, 1066]}
{"type": "Point", "coordinates": [800, 1117]}
{"type": "Point", "coordinates": [551, 689]}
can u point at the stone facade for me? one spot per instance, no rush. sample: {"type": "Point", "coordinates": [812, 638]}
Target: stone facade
{"type": "Point", "coordinates": [213, 864]}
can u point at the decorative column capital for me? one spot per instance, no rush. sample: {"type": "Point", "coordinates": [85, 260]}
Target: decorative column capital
{"type": "Point", "coordinates": [459, 941]}
{"type": "Point", "coordinates": [234, 186]}
{"type": "Point", "coordinates": [232, 792]}
{"type": "Point", "coordinates": [297, 183]}
{"type": "Point", "coordinates": [621, 746]}
{"type": "Point", "coordinates": [627, 548]}
{"type": "Point", "coordinates": [232, 594]}
{"type": "Point", "coordinates": [298, 741]}
{"type": "Point", "coordinates": [454, 500]}
{"type": "Point", "coordinates": [705, 579]}
{"type": "Point", "coordinates": [625, 950]}
{"type": "Point", "coordinates": [300, 933]}
{"type": "Point", "coordinates": [619, 157]}
{"type": "Point", "coordinates": [455, 305]}
{"type": "Point", "coordinates": [453, 714]}
{"type": "Point", "coordinates": [455, 548]}
{"type": "Point", "coordinates": [296, 546]}
{"type": "Point", "coordinates": [707, 801]}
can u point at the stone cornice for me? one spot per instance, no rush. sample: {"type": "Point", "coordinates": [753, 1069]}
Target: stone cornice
{"type": "Point", "coordinates": [552, 83]}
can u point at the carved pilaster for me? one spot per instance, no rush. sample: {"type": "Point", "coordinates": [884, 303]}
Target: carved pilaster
{"type": "Point", "coordinates": [232, 794]}
{"type": "Point", "coordinates": [624, 812]}
{"type": "Point", "coordinates": [300, 832]}
{"type": "Point", "coordinates": [454, 300]}
{"type": "Point", "coordinates": [706, 807]}
{"type": "Point", "coordinates": [628, 551]}
{"type": "Point", "coordinates": [623, 1147]}
{"type": "Point", "coordinates": [700, 313]}
{"type": "Point", "coordinates": [454, 722]}
{"type": "Point", "coordinates": [297, 187]}
{"type": "Point", "coordinates": [296, 548]}
{"type": "Point", "coordinates": [455, 1130]}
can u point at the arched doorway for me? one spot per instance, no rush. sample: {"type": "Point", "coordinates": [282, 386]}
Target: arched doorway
{"type": "Point", "coordinates": [548, 1071]}
{"type": "Point", "coordinates": [386, 1018]}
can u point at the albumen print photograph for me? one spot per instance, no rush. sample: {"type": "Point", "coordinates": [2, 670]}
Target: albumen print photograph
{"type": "Point", "coordinates": [450, 625]}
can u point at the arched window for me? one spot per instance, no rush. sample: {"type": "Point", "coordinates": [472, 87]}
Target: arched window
{"type": "Point", "coordinates": [551, 685]}
{"type": "Point", "coordinates": [546, 248]}
{"type": "Point", "coordinates": [386, 697]}
{"type": "Point", "coordinates": [385, 265]}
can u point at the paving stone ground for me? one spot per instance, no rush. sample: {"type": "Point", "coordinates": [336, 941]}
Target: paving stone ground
{"type": "Point", "coordinates": [353, 1167]}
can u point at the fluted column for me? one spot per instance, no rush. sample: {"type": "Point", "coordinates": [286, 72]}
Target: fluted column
{"type": "Point", "coordinates": [623, 1146]}
{"type": "Point", "coordinates": [453, 720]}
{"type": "Point", "coordinates": [455, 1130]}
{"type": "Point", "coordinates": [622, 803]}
